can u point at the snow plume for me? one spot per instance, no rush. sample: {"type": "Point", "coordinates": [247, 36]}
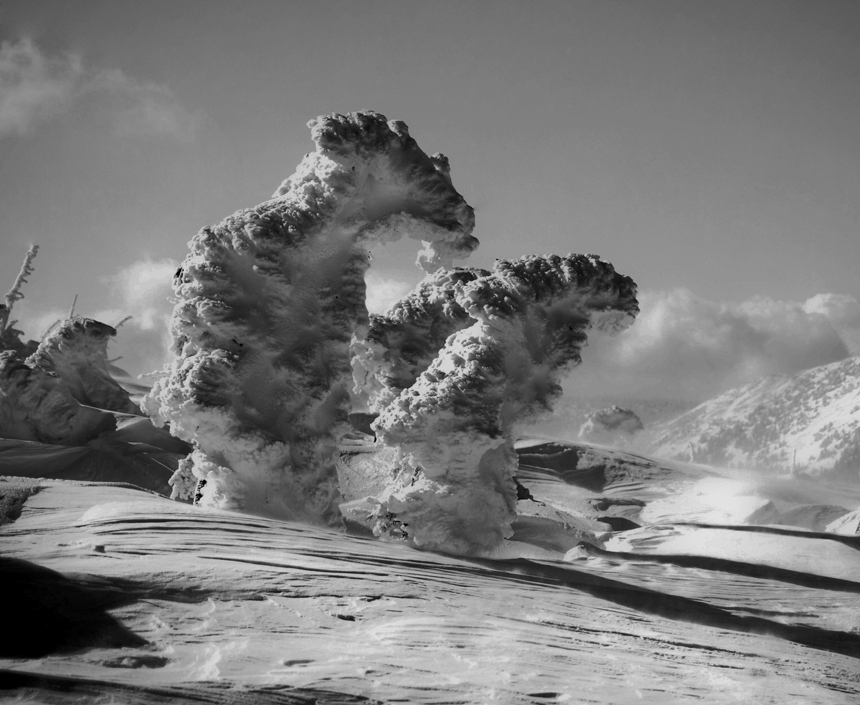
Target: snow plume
{"type": "Point", "coordinates": [269, 300]}
{"type": "Point", "coordinates": [76, 352]}
{"type": "Point", "coordinates": [455, 426]}
{"type": "Point", "coordinates": [35, 88]}
{"type": "Point", "coordinates": [684, 346]}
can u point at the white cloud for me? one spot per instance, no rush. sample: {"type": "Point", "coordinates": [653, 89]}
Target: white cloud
{"type": "Point", "coordinates": [35, 87]}
{"type": "Point", "coordinates": [683, 346]}
{"type": "Point", "coordinates": [843, 312]}
{"type": "Point", "coordinates": [145, 108]}
{"type": "Point", "coordinates": [142, 290]}
{"type": "Point", "coordinates": [383, 291]}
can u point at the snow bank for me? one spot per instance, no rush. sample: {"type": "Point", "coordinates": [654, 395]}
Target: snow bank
{"type": "Point", "coordinates": [455, 426]}
{"type": "Point", "coordinates": [269, 300]}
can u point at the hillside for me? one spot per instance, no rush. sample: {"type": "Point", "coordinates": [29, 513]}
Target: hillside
{"type": "Point", "coordinates": [808, 422]}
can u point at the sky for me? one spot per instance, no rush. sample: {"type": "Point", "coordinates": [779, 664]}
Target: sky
{"type": "Point", "coordinates": [709, 150]}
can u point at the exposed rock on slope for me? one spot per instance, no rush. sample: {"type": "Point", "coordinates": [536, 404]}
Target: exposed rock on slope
{"type": "Point", "coordinates": [268, 302]}
{"type": "Point", "coordinates": [809, 421]}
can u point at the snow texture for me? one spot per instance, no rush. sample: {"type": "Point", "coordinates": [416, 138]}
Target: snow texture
{"type": "Point", "coordinates": [131, 598]}
{"type": "Point", "coordinates": [402, 343]}
{"type": "Point", "coordinates": [269, 300]}
{"type": "Point", "coordinates": [455, 426]}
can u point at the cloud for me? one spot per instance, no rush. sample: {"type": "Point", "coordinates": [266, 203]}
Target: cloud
{"type": "Point", "coordinates": [35, 88]}
{"type": "Point", "coordinates": [145, 108]}
{"type": "Point", "coordinates": [843, 312]}
{"type": "Point", "coordinates": [684, 346]}
{"type": "Point", "coordinates": [383, 292]}
{"type": "Point", "coordinates": [142, 290]}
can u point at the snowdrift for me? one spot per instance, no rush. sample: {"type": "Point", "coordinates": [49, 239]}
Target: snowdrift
{"type": "Point", "coordinates": [132, 597]}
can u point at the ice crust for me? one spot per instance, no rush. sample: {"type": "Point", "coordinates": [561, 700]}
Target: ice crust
{"type": "Point", "coordinates": [455, 426]}
{"type": "Point", "coordinates": [269, 300]}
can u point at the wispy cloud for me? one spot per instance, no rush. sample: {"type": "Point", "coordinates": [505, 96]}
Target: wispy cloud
{"type": "Point", "coordinates": [36, 87]}
{"type": "Point", "coordinates": [33, 87]}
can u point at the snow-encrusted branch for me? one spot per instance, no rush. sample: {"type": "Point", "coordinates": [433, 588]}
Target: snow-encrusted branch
{"type": "Point", "coordinates": [14, 294]}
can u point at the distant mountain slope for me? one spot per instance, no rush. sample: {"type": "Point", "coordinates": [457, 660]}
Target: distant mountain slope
{"type": "Point", "coordinates": [809, 421]}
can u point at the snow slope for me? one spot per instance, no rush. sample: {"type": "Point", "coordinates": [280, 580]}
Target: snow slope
{"type": "Point", "coordinates": [809, 421]}
{"type": "Point", "coordinates": [129, 597]}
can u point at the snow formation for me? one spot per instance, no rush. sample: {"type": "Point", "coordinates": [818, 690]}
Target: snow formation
{"type": "Point", "coordinates": [269, 300]}
{"type": "Point", "coordinates": [455, 426]}
{"type": "Point", "coordinates": [36, 405]}
{"type": "Point", "coordinates": [274, 346]}
{"type": "Point", "coordinates": [76, 351]}
{"type": "Point", "coordinates": [402, 343]}
{"type": "Point", "coordinates": [808, 422]}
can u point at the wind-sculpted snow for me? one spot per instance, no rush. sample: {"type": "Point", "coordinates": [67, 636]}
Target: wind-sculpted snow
{"type": "Point", "coordinates": [36, 405]}
{"type": "Point", "coordinates": [454, 428]}
{"type": "Point", "coordinates": [269, 300]}
{"type": "Point", "coordinates": [76, 351]}
{"type": "Point", "coordinates": [131, 598]}
{"type": "Point", "coordinates": [808, 422]}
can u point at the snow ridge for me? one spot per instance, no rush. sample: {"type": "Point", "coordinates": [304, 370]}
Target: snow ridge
{"type": "Point", "coordinates": [809, 421]}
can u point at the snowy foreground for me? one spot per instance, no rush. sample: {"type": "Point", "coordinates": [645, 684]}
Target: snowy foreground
{"type": "Point", "coordinates": [718, 594]}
